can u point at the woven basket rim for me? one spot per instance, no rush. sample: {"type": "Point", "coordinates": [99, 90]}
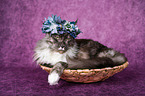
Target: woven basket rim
{"type": "Point", "coordinates": [107, 68]}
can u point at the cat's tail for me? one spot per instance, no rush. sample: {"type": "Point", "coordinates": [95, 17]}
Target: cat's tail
{"type": "Point", "coordinates": [117, 57]}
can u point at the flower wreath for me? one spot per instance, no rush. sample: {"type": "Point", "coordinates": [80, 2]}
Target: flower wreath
{"type": "Point", "coordinates": [55, 25]}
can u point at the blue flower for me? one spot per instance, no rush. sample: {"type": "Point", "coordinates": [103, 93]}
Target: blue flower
{"type": "Point", "coordinates": [55, 25]}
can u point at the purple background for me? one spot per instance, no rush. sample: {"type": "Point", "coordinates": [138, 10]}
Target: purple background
{"type": "Point", "coordinates": [119, 24]}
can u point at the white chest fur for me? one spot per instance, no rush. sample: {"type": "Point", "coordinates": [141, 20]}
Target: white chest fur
{"type": "Point", "coordinates": [48, 56]}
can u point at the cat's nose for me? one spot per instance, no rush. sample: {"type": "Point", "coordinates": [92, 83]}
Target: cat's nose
{"type": "Point", "coordinates": [62, 46]}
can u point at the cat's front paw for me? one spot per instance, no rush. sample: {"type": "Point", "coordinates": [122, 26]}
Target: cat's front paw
{"type": "Point", "coordinates": [53, 78]}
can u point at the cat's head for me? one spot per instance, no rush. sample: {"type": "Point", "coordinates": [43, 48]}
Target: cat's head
{"type": "Point", "coordinates": [60, 43]}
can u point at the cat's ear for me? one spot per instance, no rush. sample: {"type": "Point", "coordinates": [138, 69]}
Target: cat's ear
{"type": "Point", "coordinates": [47, 35]}
{"type": "Point", "coordinates": [76, 21]}
{"type": "Point", "coordinates": [69, 36]}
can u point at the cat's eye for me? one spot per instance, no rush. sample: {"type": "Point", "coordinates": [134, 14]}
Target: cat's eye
{"type": "Point", "coordinates": [57, 37]}
{"type": "Point", "coordinates": [68, 39]}
{"type": "Point", "coordinates": [48, 41]}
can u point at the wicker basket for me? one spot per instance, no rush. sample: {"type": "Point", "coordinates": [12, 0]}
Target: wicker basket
{"type": "Point", "coordinates": [88, 75]}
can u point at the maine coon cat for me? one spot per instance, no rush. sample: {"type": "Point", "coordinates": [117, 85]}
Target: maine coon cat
{"type": "Point", "coordinates": [63, 51]}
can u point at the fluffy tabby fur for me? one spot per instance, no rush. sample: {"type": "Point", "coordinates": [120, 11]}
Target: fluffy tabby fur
{"type": "Point", "coordinates": [63, 51]}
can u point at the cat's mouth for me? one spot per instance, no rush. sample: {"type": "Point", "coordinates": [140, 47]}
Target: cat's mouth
{"type": "Point", "coordinates": [61, 51]}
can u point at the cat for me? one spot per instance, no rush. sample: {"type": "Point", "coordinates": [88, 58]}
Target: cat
{"type": "Point", "coordinates": [63, 51]}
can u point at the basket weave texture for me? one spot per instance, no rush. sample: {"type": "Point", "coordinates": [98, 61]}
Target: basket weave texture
{"type": "Point", "coordinates": [88, 75]}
